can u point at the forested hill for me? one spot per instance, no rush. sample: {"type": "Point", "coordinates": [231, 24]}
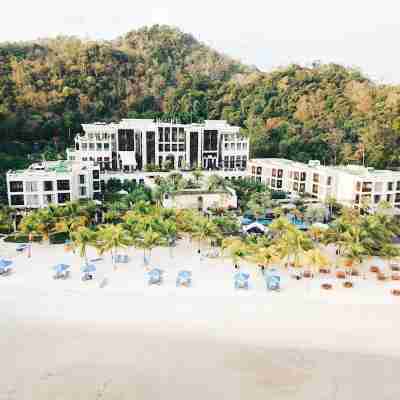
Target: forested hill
{"type": "Point", "coordinates": [326, 112]}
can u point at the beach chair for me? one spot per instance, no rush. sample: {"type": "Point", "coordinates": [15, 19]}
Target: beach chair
{"type": "Point", "coordinates": [241, 280]}
{"type": "Point", "coordinates": [184, 278]}
{"type": "Point", "coordinates": [5, 271]}
{"type": "Point", "coordinates": [61, 271]}
{"type": "Point", "coordinates": [273, 280]}
{"type": "Point", "coordinates": [5, 267]}
{"type": "Point", "coordinates": [154, 276]}
{"type": "Point", "coordinates": [88, 272]}
{"type": "Point", "coordinates": [21, 247]}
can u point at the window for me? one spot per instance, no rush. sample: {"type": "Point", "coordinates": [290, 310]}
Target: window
{"type": "Point", "coordinates": [273, 172]}
{"type": "Point", "coordinates": [174, 147]}
{"type": "Point", "coordinates": [398, 185]}
{"type": "Point", "coordinates": [295, 186]}
{"type": "Point", "coordinates": [303, 176]}
{"type": "Point", "coordinates": [329, 181]}
{"type": "Point", "coordinates": [160, 135]}
{"type": "Point", "coordinates": [167, 147]}
{"type": "Point", "coordinates": [160, 161]}
{"type": "Point", "coordinates": [258, 179]}
{"type": "Point", "coordinates": [96, 174]}
{"type": "Point", "coordinates": [48, 186]}
{"type": "Point", "coordinates": [273, 183]}
{"type": "Point", "coordinates": [106, 146]}
{"type": "Point", "coordinates": [390, 186]}
{"type": "Point", "coordinates": [84, 146]}
{"type": "Point", "coordinates": [96, 186]}
{"type": "Point", "coordinates": [377, 198]}
{"type": "Point", "coordinates": [296, 176]}
{"type": "Point", "coordinates": [181, 135]}
{"type": "Point", "coordinates": [160, 147]}
{"type": "Point", "coordinates": [91, 146]}
{"type": "Point", "coordinates": [302, 187]}
{"type": "Point", "coordinates": [63, 185]}
{"type": "Point", "coordinates": [17, 200]}
{"type": "Point", "coordinates": [316, 178]}
{"type": "Point", "coordinates": [81, 179]}
{"type": "Point", "coordinates": [357, 199]}
{"type": "Point", "coordinates": [63, 198]}
{"type": "Point", "coordinates": [259, 170]}
{"type": "Point", "coordinates": [315, 189]}
{"type": "Point", "coordinates": [16, 186]}
{"type": "Point", "coordinates": [279, 184]}
{"type": "Point", "coordinates": [389, 198]}
{"type": "Point", "coordinates": [226, 146]}
{"type": "Point", "coordinates": [232, 146]}
{"type": "Point", "coordinates": [99, 146]}
{"type": "Point", "coordinates": [166, 137]}
{"type": "Point", "coordinates": [82, 191]}
{"type": "Point", "coordinates": [367, 187]}
{"type": "Point", "coordinates": [244, 146]}
{"type": "Point", "coordinates": [31, 186]}
{"type": "Point", "coordinates": [181, 146]}
{"type": "Point", "coordinates": [253, 169]}
{"type": "Point", "coordinates": [239, 146]}
{"type": "Point", "coordinates": [280, 173]}
{"type": "Point", "coordinates": [397, 198]}
{"type": "Point", "coordinates": [358, 186]}
{"type": "Point", "coordinates": [174, 135]}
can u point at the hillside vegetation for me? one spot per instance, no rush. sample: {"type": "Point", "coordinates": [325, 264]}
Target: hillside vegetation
{"type": "Point", "coordinates": [326, 112]}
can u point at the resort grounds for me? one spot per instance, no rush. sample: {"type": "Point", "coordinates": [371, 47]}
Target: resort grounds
{"type": "Point", "coordinates": [69, 339]}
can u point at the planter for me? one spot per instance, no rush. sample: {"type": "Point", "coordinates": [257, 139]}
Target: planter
{"type": "Point", "coordinates": [326, 286]}
{"type": "Point", "coordinates": [395, 277]}
{"type": "Point", "coordinates": [340, 275]}
{"type": "Point", "coordinates": [374, 269]}
{"type": "Point", "coordinates": [395, 292]}
{"type": "Point", "coordinates": [381, 277]}
{"type": "Point", "coordinates": [348, 284]}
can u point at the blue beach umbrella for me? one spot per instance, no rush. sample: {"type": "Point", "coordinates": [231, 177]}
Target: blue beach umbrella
{"type": "Point", "coordinates": [5, 263]}
{"type": "Point", "coordinates": [60, 268]}
{"type": "Point", "coordinates": [86, 269]}
{"type": "Point", "coordinates": [184, 274]}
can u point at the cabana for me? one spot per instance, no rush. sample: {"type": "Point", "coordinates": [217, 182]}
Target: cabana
{"type": "Point", "coordinates": [155, 276]}
{"type": "Point", "coordinates": [273, 280]}
{"type": "Point", "coordinates": [241, 280]}
{"type": "Point", "coordinates": [184, 278]}
{"type": "Point", "coordinates": [61, 271]}
{"type": "Point", "coordinates": [5, 267]}
{"type": "Point", "coordinates": [255, 228]}
{"type": "Point", "coordinates": [88, 271]}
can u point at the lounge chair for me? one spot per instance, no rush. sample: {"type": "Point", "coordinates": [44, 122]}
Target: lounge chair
{"type": "Point", "coordinates": [155, 276]}
{"type": "Point", "coordinates": [273, 280]}
{"type": "Point", "coordinates": [184, 278]}
{"type": "Point", "coordinates": [88, 271]}
{"type": "Point", "coordinates": [87, 277]}
{"type": "Point", "coordinates": [21, 247]}
{"type": "Point", "coordinates": [241, 280]}
{"type": "Point", "coordinates": [5, 271]}
{"type": "Point", "coordinates": [61, 275]}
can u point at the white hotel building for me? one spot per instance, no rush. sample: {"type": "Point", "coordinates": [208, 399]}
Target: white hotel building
{"type": "Point", "coordinates": [350, 185]}
{"type": "Point", "coordinates": [123, 151]}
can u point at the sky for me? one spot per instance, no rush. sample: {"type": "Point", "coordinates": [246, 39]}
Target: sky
{"type": "Point", "coordinates": [356, 33]}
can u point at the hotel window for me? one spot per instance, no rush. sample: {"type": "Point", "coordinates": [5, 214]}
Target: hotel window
{"type": "Point", "coordinates": [106, 146]}
{"type": "Point", "coordinates": [232, 146]}
{"type": "Point", "coordinates": [232, 162]}
{"type": "Point", "coordinates": [377, 198]}
{"type": "Point", "coordinates": [367, 187]}
{"type": "Point", "coordinates": [160, 147]}
{"type": "Point", "coordinates": [31, 186]}
{"type": "Point", "coordinates": [96, 174]}
{"type": "Point", "coordinates": [398, 185]}
{"type": "Point", "coordinates": [81, 179]}
{"type": "Point", "coordinates": [358, 186]}
{"type": "Point", "coordinates": [166, 135]}
{"type": "Point", "coordinates": [97, 136]}
{"type": "Point", "coordinates": [315, 189]}
{"type": "Point", "coordinates": [226, 146]}
{"type": "Point", "coordinates": [279, 184]}
{"type": "Point", "coordinates": [174, 147]}
{"type": "Point", "coordinates": [82, 191]}
{"type": "Point", "coordinates": [390, 186]}
{"type": "Point", "coordinates": [389, 198]}
{"type": "Point", "coordinates": [84, 146]}
{"type": "Point", "coordinates": [99, 146]}
{"type": "Point", "coordinates": [160, 135]}
{"type": "Point", "coordinates": [302, 187]}
{"type": "Point", "coordinates": [280, 173]}
{"type": "Point", "coordinates": [296, 176]}
{"type": "Point", "coordinates": [226, 162]}
{"type": "Point", "coordinates": [174, 135]}
{"type": "Point", "coordinates": [295, 186]}
{"type": "Point", "coordinates": [167, 147]}
{"type": "Point", "coordinates": [160, 161]}
{"type": "Point", "coordinates": [357, 199]}
{"type": "Point", "coordinates": [16, 186]}
{"type": "Point", "coordinates": [48, 186]}
{"type": "Point", "coordinates": [253, 169]}
{"type": "Point", "coordinates": [244, 161]}
{"type": "Point", "coordinates": [259, 170]}
{"type": "Point", "coordinates": [63, 185]}
{"type": "Point", "coordinates": [273, 183]}
{"type": "Point", "coordinates": [181, 146]}
{"type": "Point", "coordinates": [63, 198]}
{"type": "Point", "coordinates": [316, 178]}
{"type": "Point", "coordinates": [104, 136]}
{"type": "Point", "coordinates": [329, 181]}
{"type": "Point", "coordinates": [273, 172]}
{"type": "Point", "coordinates": [239, 146]}
{"type": "Point", "coordinates": [181, 135]}
{"type": "Point", "coordinates": [17, 200]}
{"type": "Point", "coordinates": [91, 146]}
{"type": "Point", "coordinates": [303, 176]}
{"type": "Point", "coordinates": [397, 198]}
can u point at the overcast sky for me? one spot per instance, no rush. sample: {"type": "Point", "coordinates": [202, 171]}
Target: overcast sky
{"type": "Point", "coordinates": [265, 33]}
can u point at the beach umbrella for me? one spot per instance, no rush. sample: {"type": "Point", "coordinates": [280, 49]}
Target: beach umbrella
{"type": "Point", "coordinates": [185, 274]}
{"type": "Point", "coordinates": [60, 268]}
{"type": "Point", "coordinates": [86, 269]}
{"type": "Point", "coordinates": [5, 263]}
{"type": "Point", "coordinates": [244, 276]}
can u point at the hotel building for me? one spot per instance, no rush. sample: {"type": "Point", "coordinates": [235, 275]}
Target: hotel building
{"type": "Point", "coordinates": [133, 144]}
{"type": "Point", "coordinates": [350, 185]}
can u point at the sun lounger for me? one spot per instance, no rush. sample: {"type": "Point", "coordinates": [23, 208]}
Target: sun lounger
{"type": "Point", "coordinates": [184, 278]}
{"type": "Point", "coordinates": [5, 271]}
{"type": "Point", "coordinates": [241, 280]}
{"type": "Point", "coordinates": [155, 276]}
{"type": "Point", "coordinates": [62, 275]}
{"type": "Point", "coordinates": [273, 280]}
{"type": "Point", "coordinates": [21, 247]}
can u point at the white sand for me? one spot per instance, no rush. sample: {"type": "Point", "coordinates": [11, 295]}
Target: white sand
{"type": "Point", "coordinates": [73, 340]}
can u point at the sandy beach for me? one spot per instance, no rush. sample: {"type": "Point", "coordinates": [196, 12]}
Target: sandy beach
{"type": "Point", "coordinates": [73, 340]}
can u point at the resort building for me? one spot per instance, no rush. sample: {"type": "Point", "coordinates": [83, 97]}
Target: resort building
{"type": "Point", "coordinates": [350, 185]}
{"type": "Point", "coordinates": [201, 199]}
{"type": "Point", "coordinates": [135, 144]}
{"type": "Point", "coordinates": [53, 182]}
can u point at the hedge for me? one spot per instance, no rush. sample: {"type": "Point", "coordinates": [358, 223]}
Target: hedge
{"type": "Point", "coordinates": [59, 238]}
{"type": "Point", "coordinates": [22, 238]}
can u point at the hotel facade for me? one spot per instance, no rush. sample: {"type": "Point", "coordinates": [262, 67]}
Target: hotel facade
{"type": "Point", "coordinates": [350, 185]}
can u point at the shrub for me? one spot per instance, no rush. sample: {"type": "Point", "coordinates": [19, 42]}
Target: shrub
{"type": "Point", "coordinates": [58, 238]}
{"type": "Point", "coordinates": [22, 238]}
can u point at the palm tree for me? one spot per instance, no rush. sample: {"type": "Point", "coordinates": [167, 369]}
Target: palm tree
{"type": "Point", "coordinates": [70, 224]}
{"type": "Point", "coordinates": [316, 259]}
{"type": "Point", "coordinates": [170, 233]}
{"type": "Point", "coordinates": [148, 240]}
{"type": "Point", "coordinates": [29, 225]}
{"type": "Point", "coordinates": [203, 230]}
{"type": "Point", "coordinates": [111, 238]}
{"type": "Point", "coordinates": [236, 249]}
{"type": "Point", "coordinates": [82, 238]}
{"type": "Point", "coordinates": [263, 255]}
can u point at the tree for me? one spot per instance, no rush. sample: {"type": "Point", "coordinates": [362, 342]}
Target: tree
{"type": "Point", "coordinates": [82, 238]}
{"type": "Point", "coordinates": [235, 249]}
{"type": "Point", "coordinates": [204, 230]}
{"type": "Point", "coordinates": [148, 240]}
{"type": "Point", "coordinates": [389, 252]}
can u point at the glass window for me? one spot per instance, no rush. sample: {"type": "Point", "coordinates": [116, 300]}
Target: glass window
{"type": "Point", "coordinates": [167, 147]}
{"type": "Point", "coordinates": [389, 198]}
{"type": "Point", "coordinates": [329, 181]}
{"type": "Point", "coordinates": [303, 176]}
{"type": "Point", "coordinates": [16, 186]}
{"type": "Point", "coordinates": [390, 186]}
{"type": "Point", "coordinates": [367, 187]}
{"type": "Point", "coordinates": [81, 179]}
{"type": "Point", "coordinates": [106, 146]}
{"type": "Point", "coordinates": [84, 146]}
{"type": "Point", "coordinates": [181, 146]}
{"type": "Point", "coordinates": [316, 178]}
{"type": "Point", "coordinates": [160, 135]}
{"type": "Point", "coordinates": [398, 185]}
{"type": "Point", "coordinates": [280, 173]}
{"type": "Point", "coordinates": [166, 134]}
{"type": "Point", "coordinates": [226, 146]}
{"type": "Point", "coordinates": [273, 172]}
{"type": "Point", "coordinates": [99, 146]}
{"type": "Point", "coordinates": [302, 187]}
{"type": "Point", "coordinates": [82, 191]}
{"type": "Point", "coordinates": [357, 199]}
{"type": "Point", "coordinates": [160, 147]}
{"type": "Point", "coordinates": [63, 198]}
{"type": "Point", "coordinates": [31, 186]}
{"type": "Point", "coordinates": [96, 174]}
{"type": "Point", "coordinates": [296, 176]}
{"type": "Point", "coordinates": [358, 186]}
{"type": "Point", "coordinates": [315, 189]}
{"type": "Point", "coordinates": [295, 186]}
{"type": "Point", "coordinates": [48, 186]}
{"type": "Point", "coordinates": [397, 198]}
{"type": "Point", "coordinates": [273, 183]}
{"type": "Point", "coordinates": [63, 184]}
{"type": "Point", "coordinates": [377, 198]}
{"type": "Point", "coordinates": [181, 135]}
{"type": "Point", "coordinates": [174, 147]}
{"type": "Point", "coordinates": [17, 199]}
{"type": "Point", "coordinates": [174, 135]}
{"type": "Point", "coordinates": [91, 146]}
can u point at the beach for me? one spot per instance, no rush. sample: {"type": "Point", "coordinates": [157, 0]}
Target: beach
{"type": "Point", "coordinates": [72, 340]}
